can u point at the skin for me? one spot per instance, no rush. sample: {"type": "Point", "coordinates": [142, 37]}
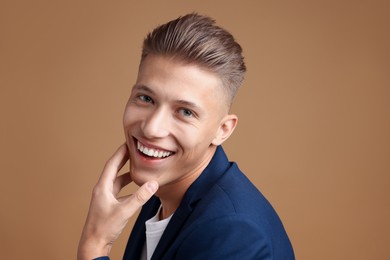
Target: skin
{"type": "Point", "coordinates": [174, 107]}
{"type": "Point", "coordinates": [178, 108]}
{"type": "Point", "coordinates": [108, 213]}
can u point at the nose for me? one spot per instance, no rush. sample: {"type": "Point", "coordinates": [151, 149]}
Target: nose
{"type": "Point", "coordinates": [156, 124]}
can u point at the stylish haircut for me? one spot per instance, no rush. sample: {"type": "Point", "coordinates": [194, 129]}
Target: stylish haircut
{"type": "Point", "coordinates": [195, 39]}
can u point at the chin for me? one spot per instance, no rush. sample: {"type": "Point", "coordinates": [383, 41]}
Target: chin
{"type": "Point", "coordinates": [137, 179]}
{"type": "Point", "coordinates": [140, 178]}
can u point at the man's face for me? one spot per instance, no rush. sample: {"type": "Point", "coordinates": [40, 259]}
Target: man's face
{"type": "Point", "coordinates": [171, 120]}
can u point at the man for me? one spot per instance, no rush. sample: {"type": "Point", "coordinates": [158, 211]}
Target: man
{"type": "Point", "coordinates": [175, 121]}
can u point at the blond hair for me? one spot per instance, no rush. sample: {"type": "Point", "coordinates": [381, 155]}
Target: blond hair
{"type": "Point", "coordinates": [195, 39]}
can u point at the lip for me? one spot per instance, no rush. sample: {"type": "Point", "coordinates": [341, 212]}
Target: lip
{"type": "Point", "coordinates": [148, 145]}
{"type": "Point", "coordinates": [147, 160]}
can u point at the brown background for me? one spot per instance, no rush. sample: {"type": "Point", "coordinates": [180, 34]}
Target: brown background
{"type": "Point", "coordinates": [314, 116]}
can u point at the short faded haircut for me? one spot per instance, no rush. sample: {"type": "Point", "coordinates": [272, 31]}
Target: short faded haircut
{"type": "Point", "coordinates": [195, 39]}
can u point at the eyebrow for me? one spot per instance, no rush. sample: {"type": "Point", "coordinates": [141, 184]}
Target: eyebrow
{"type": "Point", "coordinates": [189, 104]}
{"type": "Point", "coordinates": [143, 88]}
{"type": "Point", "coordinates": [182, 102]}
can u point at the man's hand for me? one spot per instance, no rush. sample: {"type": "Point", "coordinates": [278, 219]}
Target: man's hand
{"type": "Point", "coordinates": [109, 214]}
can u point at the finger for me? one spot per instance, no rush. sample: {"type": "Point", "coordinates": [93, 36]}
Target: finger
{"type": "Point", "coordinates": [140, 197]}
{"type": "Point", "coordinates": [120, 182]}
{"type": "Point", "coordinates": [114, 164]}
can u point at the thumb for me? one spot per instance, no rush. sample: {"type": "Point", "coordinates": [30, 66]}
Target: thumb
{"type": "Point", "coordinates": [140, 197]}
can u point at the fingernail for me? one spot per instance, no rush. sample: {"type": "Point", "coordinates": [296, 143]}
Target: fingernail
{"type": "Point", "coordinates": [152, 186]}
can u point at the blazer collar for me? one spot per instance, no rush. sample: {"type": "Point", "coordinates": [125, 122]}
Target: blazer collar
{"type": "Point", "coordinates": [215, 169]}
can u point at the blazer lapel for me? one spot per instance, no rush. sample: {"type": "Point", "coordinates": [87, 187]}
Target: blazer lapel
{"type": "Point", "coordinates": [217, 166]}
{"type": "Point", "coordinates": [171, 231]}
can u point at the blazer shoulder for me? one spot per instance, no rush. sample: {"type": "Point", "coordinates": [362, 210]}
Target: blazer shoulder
{"type": "Point", "coordinates": [235, 210]}
{"type": "Point", "coordinates": [234, 193]}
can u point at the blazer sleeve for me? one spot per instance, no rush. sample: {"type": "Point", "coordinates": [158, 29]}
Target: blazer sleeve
{"type": "Point", "coordinates": [230, 237]}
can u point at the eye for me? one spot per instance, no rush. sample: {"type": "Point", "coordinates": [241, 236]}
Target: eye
{"type": "Point", "coordinates": [186, 112]}
{"type": "Point", "coordinates": [145, 98]}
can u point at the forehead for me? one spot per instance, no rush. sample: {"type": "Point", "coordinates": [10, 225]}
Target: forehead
{"type": "Point", "coordinates": [176, 80]}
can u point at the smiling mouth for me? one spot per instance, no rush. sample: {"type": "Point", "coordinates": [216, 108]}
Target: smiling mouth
{"type": "Point", "coordinates": [152, 152]}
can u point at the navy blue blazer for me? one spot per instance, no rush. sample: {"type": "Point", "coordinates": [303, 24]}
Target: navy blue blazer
{"type": "Point", "coordinates": [222, 216]}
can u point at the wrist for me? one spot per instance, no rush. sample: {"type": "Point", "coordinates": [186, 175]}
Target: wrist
{"type": "Point", "coordinates": [90, 248]}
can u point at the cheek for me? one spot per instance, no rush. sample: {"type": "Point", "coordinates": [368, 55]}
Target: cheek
{"type": "Point", "coordinates": [126, 116]}
{"type": "Point", "coordinates": [130, 116]}
{"type": "Point", "coordinates": [196, 139]}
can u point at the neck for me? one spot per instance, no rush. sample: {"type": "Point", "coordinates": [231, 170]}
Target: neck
{"type": "Point", "coordinates": [170, 197]}
{"type": "Point", "coordinates": [172, 194]}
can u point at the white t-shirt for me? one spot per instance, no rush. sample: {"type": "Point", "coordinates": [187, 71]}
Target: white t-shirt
{"type": "Point", "coordinates": [154, 230]}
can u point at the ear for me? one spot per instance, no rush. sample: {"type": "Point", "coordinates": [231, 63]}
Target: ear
{"type": "Point", "coordinates": [226, 128]}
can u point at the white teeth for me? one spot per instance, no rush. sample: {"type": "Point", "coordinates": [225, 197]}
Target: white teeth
{"type": "Point", "coordinates": [152, 152]}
